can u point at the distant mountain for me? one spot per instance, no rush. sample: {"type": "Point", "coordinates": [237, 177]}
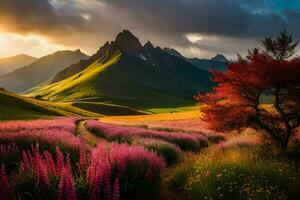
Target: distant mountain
{"type": "Point", "coordinates": [208, 64]}
{"type": "Point", "coordinates": [218, 62]}
{"type": "Point", "coordinates": [220, 58]}
{"type": "Point", "coordinates": [10, 64]}
{"type": "Point", "coordinates": [126, 73]}
{"type": "Point", "coordinates": [40, 70]}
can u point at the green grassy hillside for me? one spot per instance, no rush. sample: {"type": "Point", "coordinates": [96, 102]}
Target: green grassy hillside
{"type": "Point", "coordinates": [107, 109]}
{"type": "Point", "coordinates": [110, 83]}
{"type": "Point", "coordinates": [14, 107]}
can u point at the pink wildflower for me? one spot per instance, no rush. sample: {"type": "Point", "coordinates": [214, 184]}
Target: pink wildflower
{"type": "Point", "coordinates": [66, 185]}
{"type": "Point", "coordinates": [116, 190]}
{"type": "Point", "coordinates": [5, 187]}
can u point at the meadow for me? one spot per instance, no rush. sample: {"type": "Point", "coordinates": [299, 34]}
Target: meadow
{"type": "Point", "coordinates": [163, 156]}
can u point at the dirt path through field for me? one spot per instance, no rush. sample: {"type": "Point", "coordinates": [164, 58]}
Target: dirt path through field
{"type": "Point", "coordinates": [89, 137]}
{"type": "Point", "coordinates": [167, 190]}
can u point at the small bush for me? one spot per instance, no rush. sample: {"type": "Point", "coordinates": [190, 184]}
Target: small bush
{"type": "Point", "coordinates": [168, 151]}
{"type": "Point", "coordinates": [38, 97]}
{"type": "Point", "coordinates": [215, 137]}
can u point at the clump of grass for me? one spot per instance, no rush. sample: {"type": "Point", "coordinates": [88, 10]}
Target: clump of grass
{"type": "Point", "coordinates": [170, 152]}
{"type": "Point", "coordinates": [237, 173]}
{"type": "Point", "coordinates": [214, 137]}
{"type": "Point", "coordinates": [240, 141]}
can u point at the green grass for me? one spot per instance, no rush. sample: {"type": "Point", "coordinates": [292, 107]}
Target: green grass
{"type": "Point", "coordinates": [66, 90]}
{"type": "Point", "coordinates": [15, 107]}
{"type": "Point", "coordinates": [237, 173]}
{"type": "Point", "coordinates": [173, 109]}
{"type": "Point", "coordinates": [107, 109]}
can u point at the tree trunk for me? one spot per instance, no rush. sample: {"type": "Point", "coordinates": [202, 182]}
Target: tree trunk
{"type": "Point", "coordinates": [284, 145]}
{"type": "Point", "coordinates": [285, 140]}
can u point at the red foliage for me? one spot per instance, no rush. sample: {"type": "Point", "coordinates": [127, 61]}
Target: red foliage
{"type": "Point", "coordinates": [236, 103]}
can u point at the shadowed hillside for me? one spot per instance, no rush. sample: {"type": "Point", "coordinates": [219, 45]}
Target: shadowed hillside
{"type": "Point", "coordinates": [10, 64]}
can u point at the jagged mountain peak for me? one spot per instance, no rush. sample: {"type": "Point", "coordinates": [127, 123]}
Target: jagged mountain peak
{"type": "Point", "coordinates": [148, 46]}
{"type": "Point", "coordinates": [128, 42]}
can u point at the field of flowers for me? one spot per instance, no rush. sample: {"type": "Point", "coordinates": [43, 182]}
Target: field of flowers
{"type": "Point", "coordinates": [53, 159]}
{"type": "Point", "coordinates": [186, 122]}
{"type": "Point", "coordinates": [113, 132]}
{"type": "Point", "coordinates": [48, 159]}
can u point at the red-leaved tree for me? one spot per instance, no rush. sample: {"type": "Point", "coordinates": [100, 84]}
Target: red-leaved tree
{"type": "Point", "coordinates": [261, 91]}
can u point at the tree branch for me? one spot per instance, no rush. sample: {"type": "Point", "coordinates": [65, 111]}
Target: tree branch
{"type": "Point", "coordinates": [279, 110]}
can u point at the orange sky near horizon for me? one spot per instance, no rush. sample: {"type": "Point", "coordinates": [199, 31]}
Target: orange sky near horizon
{"type": "Point", "coordinates": [32, 44]}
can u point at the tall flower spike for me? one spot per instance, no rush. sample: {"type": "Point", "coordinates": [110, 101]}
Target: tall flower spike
{"type": "Point", "coordinates": [116, 190]}
{"type": "Point", "coordinates": [50, 163]}
{"type": "Point", "coordinates": [60, 161]}
{"type": "Point", "coordinates": [5, 187]}
{"type": "Point", "coordinates": [42, 172]}
{"type": "Point", "coordinates": [66, 185]}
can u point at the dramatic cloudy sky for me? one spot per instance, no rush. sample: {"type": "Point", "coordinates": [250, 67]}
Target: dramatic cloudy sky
{"type": "Point", "coordinates": [199, 28]}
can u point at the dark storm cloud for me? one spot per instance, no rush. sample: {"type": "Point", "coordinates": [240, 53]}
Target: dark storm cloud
{"type": "Point", "coordinates": [89, 23]}
{"type": "Point", "coordinates": [235, 18]}
{"type": "Point", "coordinates": [238, 18]}
{"type": "Point", "coordinates": [240, 22]}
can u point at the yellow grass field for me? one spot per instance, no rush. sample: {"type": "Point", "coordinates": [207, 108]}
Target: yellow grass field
{"type": "Point", "coordinates": [141, 119]}
{"type": "Point", "coordinates": [186, 121]}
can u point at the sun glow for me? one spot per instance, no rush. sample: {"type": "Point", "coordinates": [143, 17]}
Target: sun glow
{"type": "Point", "coordinates": [193, 37]}
{"type": "Point", "coordinates": [34, 45]}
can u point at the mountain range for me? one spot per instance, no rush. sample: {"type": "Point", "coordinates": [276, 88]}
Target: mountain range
{"type": "Point", "coordinates": [39, 71]}
{"type": "Point", "coordinates": [125, 72]}
{"type": "Point", "coordinates": [218, 62]}
{"type": "Point", "coordinates": [10, 64]}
